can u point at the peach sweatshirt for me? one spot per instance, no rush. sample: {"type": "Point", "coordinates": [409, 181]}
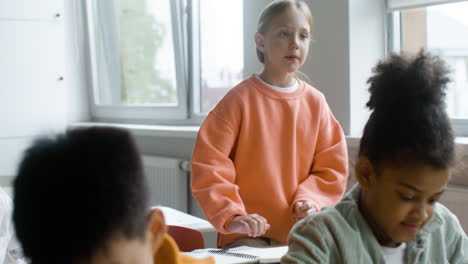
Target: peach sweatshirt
{"type": "Point", "coordinates": [261, 151]}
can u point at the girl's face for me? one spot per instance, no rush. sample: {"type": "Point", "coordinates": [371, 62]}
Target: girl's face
{"type": "Point", "coordinates": [286, 42]}
{"type": "Point", "coordinates": [399, 201]}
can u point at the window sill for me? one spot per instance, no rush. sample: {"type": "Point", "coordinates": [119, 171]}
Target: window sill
{"type": "Point", "coordinates": [354, 140]}
{"type": "Point", "coordinates": [148, 130]}
{"type": "Point", "coordinates": [191, 131]}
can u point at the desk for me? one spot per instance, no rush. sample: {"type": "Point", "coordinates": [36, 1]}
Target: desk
{"type": "Point", "coordinates": [178, 218]}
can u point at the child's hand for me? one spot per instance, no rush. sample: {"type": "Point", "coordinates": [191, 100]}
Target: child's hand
{"type": "Point", "coordinates": [303, 209]}
{"type": "Point", "coordinates": [253, 225]}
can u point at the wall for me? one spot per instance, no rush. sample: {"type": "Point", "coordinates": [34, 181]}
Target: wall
{"type": "Point", "coordinates": [44, 84]}
{"type": "Point", "coordinates": [32, 73]}
{"type": "Point", "coordinates": [366, 47]}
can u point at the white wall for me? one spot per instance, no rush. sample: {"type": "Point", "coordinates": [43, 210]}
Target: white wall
{"type": "Point", "coordinates": [31, 39]}
{"type": "Point", "coordinates": [39, 95]}
{"type": "Point", "coordinates": [366, 47]}
{"type": "Point", "coordinates": [329, 62]}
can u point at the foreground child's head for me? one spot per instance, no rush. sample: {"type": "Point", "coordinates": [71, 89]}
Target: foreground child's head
{"type": "Point", "coordinates": [81, 197]}
{"type": "Point", "coordinates": [407, 147]}
{"type": "Point", "coordinates": [283, 35]}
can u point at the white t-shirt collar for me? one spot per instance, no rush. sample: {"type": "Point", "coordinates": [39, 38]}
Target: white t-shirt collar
{"type": "Point", "coordinates": [289, 89]}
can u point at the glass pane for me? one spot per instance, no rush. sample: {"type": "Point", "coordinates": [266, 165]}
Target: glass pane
{"type": "Point", "coordinates": [442, 30]}
{"type": "Point", "coordinates": [148, 73]}
{"type": "Point", "coordinates": [221, 49]}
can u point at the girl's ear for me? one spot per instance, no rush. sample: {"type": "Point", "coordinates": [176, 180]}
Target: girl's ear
{"type": "Point", "coordinates": [259, 41]}
{"type": "Point", "coordinates": [156, 228]}
{"type": "Point", "coordinates": [364, 173]}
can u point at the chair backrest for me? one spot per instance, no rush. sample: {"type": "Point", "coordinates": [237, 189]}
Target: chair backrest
{"type": "Point", "coordinates": [186, 238]}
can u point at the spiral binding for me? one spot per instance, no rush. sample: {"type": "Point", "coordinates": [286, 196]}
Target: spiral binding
{"type": "Point", "coordinates": [232, 254]}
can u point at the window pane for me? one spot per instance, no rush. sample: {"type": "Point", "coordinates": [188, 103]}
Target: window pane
{"type": "Point", "coordinates": [442, 30]}
{"type": "Point", "coordinates": [221, 49]}
{"type": "Point", "coordinates": [147, 61]}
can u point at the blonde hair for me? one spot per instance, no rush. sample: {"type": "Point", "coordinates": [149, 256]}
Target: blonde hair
{"type": "Point", "coordinates": [274, 9]}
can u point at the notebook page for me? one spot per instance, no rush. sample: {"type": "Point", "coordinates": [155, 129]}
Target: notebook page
{"type": "Point", "coordinates": [265, 255]}
{"type": "Point", "coordinates": [271, 254]}
{"type": "Point", "coordinates": [221, 259]}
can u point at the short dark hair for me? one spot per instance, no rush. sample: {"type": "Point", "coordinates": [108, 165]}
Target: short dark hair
{"type": "Point", "coordinates": [408, 122]}
{"type": "Point", "coordinates": [76, 190]}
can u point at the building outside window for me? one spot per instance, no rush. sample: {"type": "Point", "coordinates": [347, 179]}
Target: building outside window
{"type": "Point", "coordinates": [442, 29]}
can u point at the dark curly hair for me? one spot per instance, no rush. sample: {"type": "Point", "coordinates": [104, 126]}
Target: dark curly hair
{"type": "Point", "coordinates": [76, 190]}
{"type": "Point", "coordinates": [408, 122]}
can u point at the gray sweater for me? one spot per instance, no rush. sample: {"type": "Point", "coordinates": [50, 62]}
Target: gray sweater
{"type": "Point", "coordinates": [341, 235]}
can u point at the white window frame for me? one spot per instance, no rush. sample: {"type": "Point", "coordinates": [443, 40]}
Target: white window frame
{"type": "Point", "coordinates": [123, 113]}
{"type": "Point", "coordinates": [194, 61]}
{"type": "Point", "coordinates": [394, 5]}
{"type": "Point", "coordinates": [460, 125]}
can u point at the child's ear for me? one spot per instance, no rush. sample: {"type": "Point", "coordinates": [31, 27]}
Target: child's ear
{"type": "Point", "coordinates": [364, 173]}
{"type": "Point", "coordinates": [157, 227]}
{"type": "Point", "coordinates": [259, 41]}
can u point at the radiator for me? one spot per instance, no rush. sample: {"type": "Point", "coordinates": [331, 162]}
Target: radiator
{"type": "Point", "coordinates": [168, 180]}
{"type": "Point", "coordinates": [456, 199]}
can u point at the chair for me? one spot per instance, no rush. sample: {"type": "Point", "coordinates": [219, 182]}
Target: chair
{"type": "Point", "coordinates": [187, 239]}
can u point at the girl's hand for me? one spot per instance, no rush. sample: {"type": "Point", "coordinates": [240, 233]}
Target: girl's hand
{"type": "Point", "coordinates": [303, 209]}
{"type": "Point", "coordinates": [253, 225]}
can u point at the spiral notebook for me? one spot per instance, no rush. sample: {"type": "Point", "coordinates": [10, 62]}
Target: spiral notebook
{"type": "Point", "coordinates": [242, 254]}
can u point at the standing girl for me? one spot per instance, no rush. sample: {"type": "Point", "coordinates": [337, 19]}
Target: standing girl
{"type": "Point", "coordinates": [405, 158]}
{"type": "Point", "coordinates": [271, 152]}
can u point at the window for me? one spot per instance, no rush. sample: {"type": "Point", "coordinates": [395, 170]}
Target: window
{"type": "Point", "coordinates": [156, 61]}
{"type": "Point", "coordinates": [221, 50]}
{"type": "Point", "coordinates": [442, 29]}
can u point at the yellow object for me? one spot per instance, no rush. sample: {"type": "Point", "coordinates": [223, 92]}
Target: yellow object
{"type": "Point", "coordinates": [169, 253]}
